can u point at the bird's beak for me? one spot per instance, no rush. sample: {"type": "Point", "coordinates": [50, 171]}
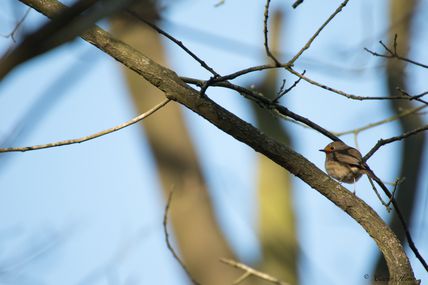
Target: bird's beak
{"type": "Point", "coordinates": [323, 150]}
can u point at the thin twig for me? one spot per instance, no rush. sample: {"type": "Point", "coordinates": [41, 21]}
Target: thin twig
{"type": "Point", "coordinates": [342, 93]}
{"type": "Point", "coordinates": [90, 137]}
{"type": "Point", "coordinates": [414, 97]}
{"type": "Point", "coordinates": [168, 243]}
{"type": "Point", "coordinates": [383, 142]}
{"type": "Point", "coordinates": [394, 54]}
{"type": "Point", "coordinates": [176, 41]}
{"type": "Point", "coordinates": [283, 92]}
{"type": "Point", "coordinates": [305, 78]}
{"type": "Point", "coordinates": [265, 33]}
{"type": "Point", "coordinates": [18, 24]}
{"type": "Point", "coordinates": [281, 89]}
{"type": "Point", "coordinates": [388, 208]}
{"type": "Point", "coordinates": [308, 44]}
{"type": "Point", "coordinates": [251, 271]}
{"type": "Point", "coordinates": [397, 182]}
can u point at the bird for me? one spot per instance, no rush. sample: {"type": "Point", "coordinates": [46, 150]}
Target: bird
{"type": "Point", "coordinates": [344, 163]}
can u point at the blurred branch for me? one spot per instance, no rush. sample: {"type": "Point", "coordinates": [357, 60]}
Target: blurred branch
{"type": "Point", "coordinates": [48, 36]}
{"type": "Point", "coordinates": [219, 3]}
{"type": "Point", "coordinates": [168, 243]}
{"type": "Point", "coordinates": [90, 137]}
{"type": "Point", "coordinates": [381, 122]}
{"type": "Point", "coordinates": [177, 163]}
{"type": "Point", "coordinates": [108, 269]}
{"type": "Point", "coordinates": [248, 271]}
{"type": "Point", "coordinates": [66, 24]}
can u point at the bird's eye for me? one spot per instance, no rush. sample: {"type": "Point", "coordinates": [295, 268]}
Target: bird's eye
{"type": "Point", "coordinates": [332, 148]}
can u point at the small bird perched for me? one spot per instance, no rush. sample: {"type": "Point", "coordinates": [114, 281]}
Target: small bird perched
{"type": "Point", "coordinates": [344, 163]}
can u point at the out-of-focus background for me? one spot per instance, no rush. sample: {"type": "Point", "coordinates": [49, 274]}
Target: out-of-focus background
{"type": "Point", "coordinates": [92, 213]}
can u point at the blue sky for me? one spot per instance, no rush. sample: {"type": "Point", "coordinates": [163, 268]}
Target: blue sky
{"type": "Point", "coordinates": [96, 207]}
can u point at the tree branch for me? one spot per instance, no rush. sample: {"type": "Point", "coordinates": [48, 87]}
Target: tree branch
{"type": "Point", "coordinates": [168, 243]}
{"type": "Point", "coordinates": [394, 54]}
{"type": "Point", "coordinates": [90, 137]}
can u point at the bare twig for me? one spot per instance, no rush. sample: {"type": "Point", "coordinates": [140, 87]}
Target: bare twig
{"type": "Point", "coordinates": [18, 24]}
{"type": "Point", "coordinates": [90, 137]}
{"type": "Point", "coordinates": [342, 93]}
{"type": "Point", "coordinates": [174, 40]}
{"type": "Point", "coordinates": [265, 33]}
{"type": "Point", "coordinates": [305, 78]}
{"type": "Point", "coordinates": [282, 92]}
{"type": "Point", "coordinates": [168, 243]}
{"type": "Point", "coordinates": [396, 183]}
{"type": "Point", "coordinates": [282, 88]}
{"type": "Point", "coordinates": [387, 205]}
{"type": "Point", "coordinates": [394, 54]}
{"type": "Point", "coordinates": [383, 142]}
{"type": "Point", "coordinates": [414, 97]}
{"type": "Point", "coordinates": [248, 271]}
{"type": "Point", "coordinates": [179, 43]}
{"type": "Point", "coordinates": [308, 44]}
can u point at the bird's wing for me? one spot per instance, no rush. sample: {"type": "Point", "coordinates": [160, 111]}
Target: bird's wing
{"type": "Point", "coordinates": [350, 156]}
